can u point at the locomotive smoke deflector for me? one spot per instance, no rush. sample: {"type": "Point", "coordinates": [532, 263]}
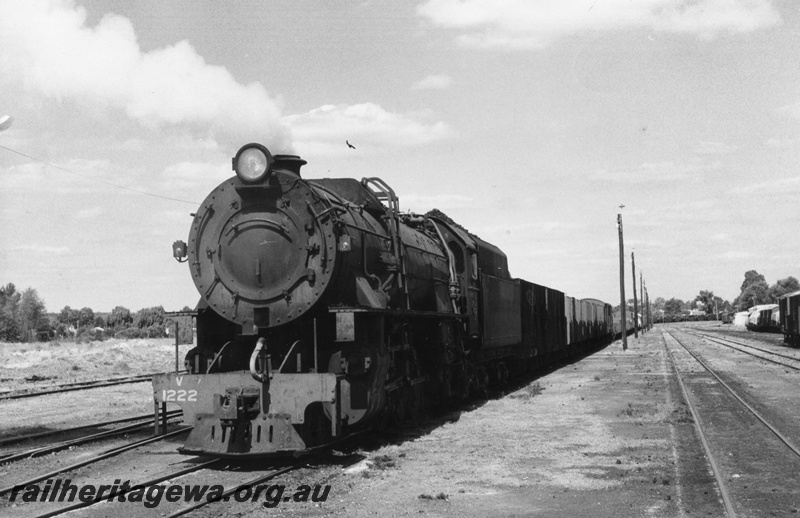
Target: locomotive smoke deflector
{"type": "Point", "coordinates": [253, 163]}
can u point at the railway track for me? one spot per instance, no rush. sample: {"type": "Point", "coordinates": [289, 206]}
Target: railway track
{"type": "Point", "coordinates": [118, 495]}
{"type": "Point", "coordinates": [145, 484]}
{"type": "Point", "coordinates": [28, 437]}
{"type": "Point", "coordinates": [9, 457]}
{"type": "Point", "coordinates": [249, 484]}
{"type": "Point", "coordinates": [76, 385]}
{"type": "Point", "coordinates": [729, 427]}
{"type": "Point", "coordinates": [96, 458]}
{"type": "Point", "coordinates": [772, 356]}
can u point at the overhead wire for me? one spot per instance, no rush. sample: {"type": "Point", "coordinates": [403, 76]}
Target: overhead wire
{"type": "Point", "coordinates": [138, 191]}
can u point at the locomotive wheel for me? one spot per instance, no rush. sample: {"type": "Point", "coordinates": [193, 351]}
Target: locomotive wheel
{"type": "Point", "coordinates": [397, 407]}
{"type": "Point", "coordinates": [481, 382]}
{"type": "Point", "coordinates": [316, 428]}
{"type": "Point", "coordinates": [501, 374]}
{"type": "Point", "coordinates": [416, 400]}
{"type": "Point", "coordinates": [401, 406]}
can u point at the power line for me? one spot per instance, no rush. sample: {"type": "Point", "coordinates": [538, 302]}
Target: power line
{"type": "Point", "coordinates": [97, 179]}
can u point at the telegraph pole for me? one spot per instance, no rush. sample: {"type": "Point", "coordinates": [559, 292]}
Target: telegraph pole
{"type": "Point", "coordinates": [635, 304]}
{"type": "Point", "coordinates": [622, 321]}
{"type": "Point", "coordinates": [643, 305]}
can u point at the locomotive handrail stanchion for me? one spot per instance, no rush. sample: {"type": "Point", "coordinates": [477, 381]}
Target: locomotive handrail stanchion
{"type": "Point", "coordinates": [454, 285]}
{"type": "Point", "coordinates": [217, 356]}
{"type": "Point", "coordinates": [386, 193]}
{"type": "Point", "coordinates": [316, 369]}
{"type": "Point", "coordinates": [286, 358]}
{"type": "Point", "coordinates": [264, 374]}
{"type": "Point", "coordinates": [177, 354]}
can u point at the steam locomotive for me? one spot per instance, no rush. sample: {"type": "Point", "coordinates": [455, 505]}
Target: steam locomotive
{"type": "Point", "coordinates": [325, 310]}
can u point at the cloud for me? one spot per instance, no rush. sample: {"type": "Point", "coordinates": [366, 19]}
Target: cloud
{"type": "Point", "coordinates": [735, 254]}
{"type": "Point", "coordinates": [782, 142]}
{"type": "Point", "coordinates": [780, 186]}
{"type": "Point", "coordinates": [49, 49]}
{"type": "Point", "coordinates": [528, 228]}
{"type": "Point", "coordinates": [41, 249]}
{"type": "Point", "coordinates": [514, 24]}
{"type": "Point", "coordinates": [791, 109]}
{"type": "Point", "coordinates": [713, 148]}
{"type": "Point", "coordinates": [654, 172]}
{"type": "Point", "coordinates": [425, 202]}
{"type": "Point", "coordinates": [368, 126]}
{"type": "Point", "coordinates": [185, 176]}
{"type": "Point", "coordinates": [89, 213]}
{"type": "Point", "coordinates": [433, 82]}
{"type": "Point", "coordinates": [41, 177]}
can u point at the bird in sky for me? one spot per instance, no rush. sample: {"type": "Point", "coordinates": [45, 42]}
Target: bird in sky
{"type": "Point", "coordinates": [351, 146]}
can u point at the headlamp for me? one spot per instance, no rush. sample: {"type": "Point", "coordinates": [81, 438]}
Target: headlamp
{"type": "Point", "coordinates": [252, 163]}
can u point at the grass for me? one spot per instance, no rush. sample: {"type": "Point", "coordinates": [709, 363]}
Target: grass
{"type": "Point", "coordinates": [440, 496]}
{"type": "Point", "coordinates": [534, 389]}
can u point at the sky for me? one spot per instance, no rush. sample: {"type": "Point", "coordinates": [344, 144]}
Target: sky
{"type": "Point", "coordinates": [529, 122]}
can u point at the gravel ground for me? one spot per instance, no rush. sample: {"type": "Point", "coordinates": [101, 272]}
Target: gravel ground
{"type": "Point", "coordinates": [42, 365]}
{"type": "Point", "coordinates": [604, 436]}
{"type": "Point", "coordinates": [607, 435]}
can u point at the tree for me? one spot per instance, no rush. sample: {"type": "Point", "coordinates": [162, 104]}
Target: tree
{"type": "Point", "coordinates": [68, 317]}
{"type": "Point", "coordinates": [148, 317]}
{"type": "Point", "coordinates": [86, 317]}
{"type": "Point", "coordinates": [120, 318]}
{"type": "Point", "coordinates": [706, 298]}
{"type": "Point", "coordinates": [781, 288]}
{"type": "Point", "coordinates": [721, 306]}
{"type": "Point", "coordinates": [149, 322]}
{"type": "Point", "coordinates": [673, 307]}
{"type": "Point", "coordinates": [9, 313]}
{"type": "Point", "coordinates": [32, 314]}
{"type": "Point", "coordinates": [753, 292]}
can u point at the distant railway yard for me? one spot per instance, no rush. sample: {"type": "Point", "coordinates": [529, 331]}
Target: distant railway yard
{"type": "Point", "coordinates": [694, 419]}
{"type": "Point", "coordinates": [434, 258]}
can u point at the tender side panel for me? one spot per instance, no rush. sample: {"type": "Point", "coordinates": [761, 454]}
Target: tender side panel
{"type": "Point", "coordinates": [543, 319]}
{"type": "Point", "coordinates": [533, 316]}
{"type": "Point", "coordinates": [557, 333]}
{"type": "Point", "coordinates": [501, 316]}
{"type": "Point", "coordinates": [569, 315]}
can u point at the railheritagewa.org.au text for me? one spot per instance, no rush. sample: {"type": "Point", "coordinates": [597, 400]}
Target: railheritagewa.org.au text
{"type": "Point", "coordinates": [63, 490]}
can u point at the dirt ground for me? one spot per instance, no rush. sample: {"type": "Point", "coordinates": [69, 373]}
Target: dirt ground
{"type": "Point", "coordinates": [38, 366]}
{"type": "Point", "coordinates": [606, 435]}
{"type": "Point", "coordinates": [41, 364]}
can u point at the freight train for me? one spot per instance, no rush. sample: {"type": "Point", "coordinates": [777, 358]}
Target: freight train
{"type": "Point", "coordinates": [764, 318]}
{"type": "Point", "coordinates": [789, 314]}
{"type": "Point", "coordinates": [325, 310]}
